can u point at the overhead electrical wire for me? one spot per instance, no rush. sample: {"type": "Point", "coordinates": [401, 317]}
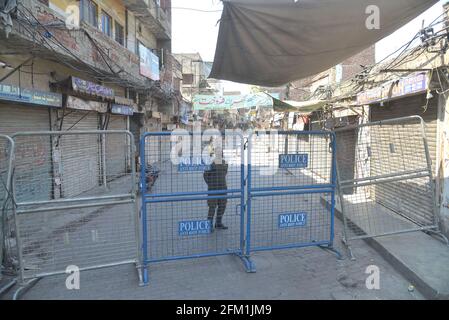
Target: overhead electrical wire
{"type": "Point", "coordinates": [404, 47]}
{"type": "Point", "coordinates": [112, 78]}
{"type": "Point", "coordinates": [398, 60]}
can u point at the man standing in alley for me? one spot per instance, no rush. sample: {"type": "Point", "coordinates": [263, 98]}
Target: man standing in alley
{"type": "Point", "coordinates": [215, 179]}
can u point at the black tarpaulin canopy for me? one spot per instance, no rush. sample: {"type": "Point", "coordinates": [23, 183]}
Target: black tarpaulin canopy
{"type": "Point", "coordinates": [273, 42]}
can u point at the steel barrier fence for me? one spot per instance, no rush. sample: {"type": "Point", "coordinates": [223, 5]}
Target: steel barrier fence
{"type": "Point", "coordinates": [6, 163]}
{"type": "Point", "coordinates": [70, 210]}
{"type": "Point", "coordinates": [386, 183]}
{"type": "Point", "coordinates": [183, 197]}
{"type": "Point", "coordinates": [291, 176]}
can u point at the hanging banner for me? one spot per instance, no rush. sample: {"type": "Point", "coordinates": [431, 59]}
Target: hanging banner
{"type": "Point", "coordinates": [149, 63]}
{"type": "Point", "coordinates": [209, 102]}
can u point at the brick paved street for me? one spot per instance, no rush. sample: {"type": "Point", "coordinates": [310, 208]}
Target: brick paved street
{"type": "Point", "coordinates": [309, 273]}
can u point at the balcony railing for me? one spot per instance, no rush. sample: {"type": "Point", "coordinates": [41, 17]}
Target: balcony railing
{"type": "Point", "coordinates": [152, 16]}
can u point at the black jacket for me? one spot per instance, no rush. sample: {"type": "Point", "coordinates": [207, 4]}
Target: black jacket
{"type": "Point", "coordinates": [216, 176]}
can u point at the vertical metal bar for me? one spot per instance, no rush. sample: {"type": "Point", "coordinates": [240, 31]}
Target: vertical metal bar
{"type": "Point", "coordinates": [143, 185]}
{"type": "Point", "coordinates": [103, 159]}
{"type": "Point", "coordinates": [248, 204]}
{"type": "Point", "coordinates": [334, 181]}
{"type": "Point", "coordinates": [18, 235]}
{"type": "Point", "coordinates": [9, 171]}
{"type": "Point", "coordinates": [431, 177]}
{"type": "Point", "coordinates": [132, 150]}
{"type": "Point", "coordinates": [242, 195]}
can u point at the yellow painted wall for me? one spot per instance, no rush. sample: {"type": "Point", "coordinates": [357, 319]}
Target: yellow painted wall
{"type": "Point", "coordinates": [62, 4]}
{"type": "Point", "coordinates": [114, 8]}
{"type": "Point", "coordinates": [117, 11]}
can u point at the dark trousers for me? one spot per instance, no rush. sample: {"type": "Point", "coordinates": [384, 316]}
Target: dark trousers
{"type": "Point", "coordinates": [218, 206]}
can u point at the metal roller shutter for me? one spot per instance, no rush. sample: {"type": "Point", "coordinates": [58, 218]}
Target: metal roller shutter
{"type": "Point", "coordinates": [33, 174]}
{"type": "Point", "coordinates": [409, 107]}
{"type": "Point", "coordinates": [346, 142]}
{"type": "Point", "coordinates": [80, 154]}
{"type": "Point", "coordinates": [22, 118]}
{"type": "Point", "coordinates": [116, 148]}
{"type": "Point", "coordinates": [404, 196]}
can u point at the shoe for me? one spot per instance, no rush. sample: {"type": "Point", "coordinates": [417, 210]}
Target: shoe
{"type": "Point", "coordinates": [221, 226]}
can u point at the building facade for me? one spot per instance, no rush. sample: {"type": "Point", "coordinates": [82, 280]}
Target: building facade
{"type": "Point", "coordinates": [195, 73]}
{"type": "Point", "coordinates": [102, 64]}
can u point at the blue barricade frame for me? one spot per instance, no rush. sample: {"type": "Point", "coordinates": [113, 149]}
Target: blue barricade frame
{"type": "Point", "coordinates": [282, 195]}
{"type": "Point", "coordinates": [172, 188]}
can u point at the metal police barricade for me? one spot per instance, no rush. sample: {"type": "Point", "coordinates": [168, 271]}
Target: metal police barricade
{"type": "Point", "coordinates": [291, 190]}
{"type": "Point", "coordinates": [6, 163]}
{"type": "Point", "coordinates": [385, 179]}
{"type": "Point", "coordinates": [192, 196]}
{"type": "Point", "coordinates": [75, 195]}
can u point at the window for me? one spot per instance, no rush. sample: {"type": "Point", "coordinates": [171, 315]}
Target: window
{"type": "Point", "coordinates": [90, 12]}
{"type": "Point", "coordinates": [119, 34]}
{"type": "Point", "coordinates": [187, 78]}
{"type": "Point", "coordinates": [132, 95]}
{"type": "Point", "coordinates": [106, 23]}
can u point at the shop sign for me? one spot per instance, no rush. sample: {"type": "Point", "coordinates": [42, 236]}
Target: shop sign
{"type": "Point", "coordinates": [80, 104]}
{"type": "Point", "coordinates": [31, 96]}
{"type": "Point", "coordinates": [120, 109]}
{"type": "Point", "coordinates": [91, 88]}
{"type": "Point", "coordinates": [394, 89]}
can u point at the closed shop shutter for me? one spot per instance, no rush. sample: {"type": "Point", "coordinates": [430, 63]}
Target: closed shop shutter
{"type": "Point", "coordinates": [80, 154]}
{"type": "Point", "coordinates": [22, 118]}
{"type": "Point", "coordinates": [409, 197]}
{"type": "Point", "coordinates": [346, 142]}
{"type": "Point", "coordinates": [409, 107]}
{"type": "Point", "coordinates": [116, 148]}
{"type": "Point", "coordinates": [33, 174]}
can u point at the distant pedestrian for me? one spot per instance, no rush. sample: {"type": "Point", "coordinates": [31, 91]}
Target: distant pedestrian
{"type": "Point", "coordinates": [215, 179]}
